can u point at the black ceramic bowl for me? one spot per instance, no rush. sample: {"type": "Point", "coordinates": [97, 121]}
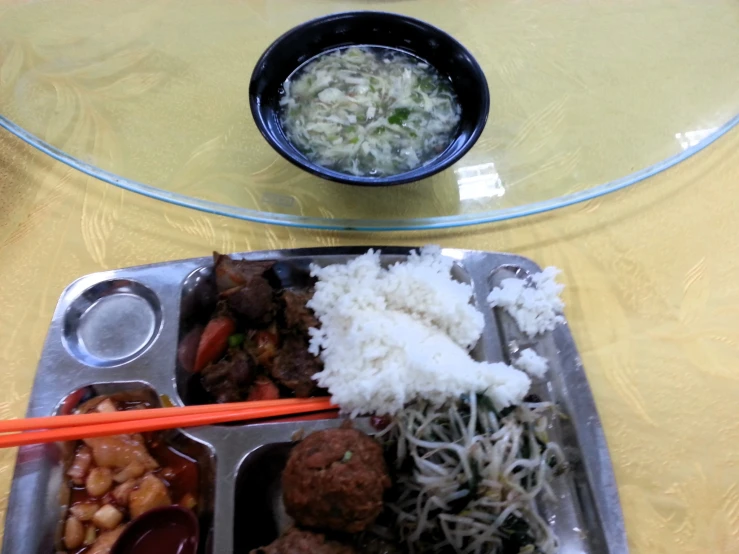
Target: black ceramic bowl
{"type": "Point", "coordinates": [310, 39]}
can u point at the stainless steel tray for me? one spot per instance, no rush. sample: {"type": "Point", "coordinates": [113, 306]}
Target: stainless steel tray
{"type": "Point", "coordinates": [118, 331]}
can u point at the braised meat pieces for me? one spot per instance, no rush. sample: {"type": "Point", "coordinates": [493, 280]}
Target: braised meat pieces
{"type": "Point", "coordinates": [335, 480]}
{"type": "Point", "coordinates": [253, 302]}
{"type": "Point", "coordinates": [297, 315]}
{"type": "Point", "coordinates": [294, 366]}
{"type": "Point", "coordinates": [245, 288]}
{"type": "Point", "coordinates": [255, 346]}
{"type": "Point", "coordinates": [230, 379]}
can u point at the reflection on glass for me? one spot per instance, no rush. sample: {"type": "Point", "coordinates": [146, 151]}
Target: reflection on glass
{"type": "Point", "coordinates": [691, 138]}
{"type": "Point", "coordinates": [477, 182]}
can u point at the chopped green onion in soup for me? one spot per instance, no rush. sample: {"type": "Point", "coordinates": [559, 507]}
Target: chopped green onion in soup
{"type": "Point", "coordinates": [369, 111]}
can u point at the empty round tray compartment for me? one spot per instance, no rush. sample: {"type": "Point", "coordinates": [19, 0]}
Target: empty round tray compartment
{"type": "Point", "coordinates": [112, 322]}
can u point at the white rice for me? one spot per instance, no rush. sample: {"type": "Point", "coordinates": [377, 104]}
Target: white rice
{"type": "Point", "coordinates": [530, 362]}
{"type": "Point", "coordinates": [391, 336]}
{"type": "Point", "coordinates": [534, 302]}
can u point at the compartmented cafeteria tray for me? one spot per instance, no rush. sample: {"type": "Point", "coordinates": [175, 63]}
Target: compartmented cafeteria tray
{"type": "Point", "coordinates": [117, 332]}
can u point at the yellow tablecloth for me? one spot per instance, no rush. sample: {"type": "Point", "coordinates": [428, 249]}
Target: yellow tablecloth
{"type": "Point", "coordinates": [652, 297]}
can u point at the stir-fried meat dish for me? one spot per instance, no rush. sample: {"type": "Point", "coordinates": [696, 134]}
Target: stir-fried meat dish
{"type": "Point", "coordinates": [296, 541]}
{"type": "Point", "coordinates": [231, 378]}
{"type": "Point", "coordinates": [297, 315]}
{"type": "Point", "coordinates": [255, 344]}
{"type": "Point", "coordinates": [116, 479]}
{"type": "Point", "coordinates": [245, 289]}
{"type": "Point", "coordinates": [335, 480]}
{"type": "Point", "coordinates": [294, 366]}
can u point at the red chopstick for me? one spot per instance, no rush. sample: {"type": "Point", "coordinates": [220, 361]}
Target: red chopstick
{"type": "Point", "coordinates": [72, 427]}
{"type": "Point", "coordinates": [57, 422]}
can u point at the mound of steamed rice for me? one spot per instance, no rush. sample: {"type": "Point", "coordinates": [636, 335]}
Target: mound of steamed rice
{"type": "Point", "coordinates": [530, 362]}
{"type": "Point", "coordinates": [392, 336]}
{"type": "Point", "coordinates": [534, 302]}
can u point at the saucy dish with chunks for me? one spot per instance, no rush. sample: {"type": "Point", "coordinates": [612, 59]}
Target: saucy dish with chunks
{"type": "Point", "coordinates": [254, 346]}
{"type": "Point", "coordinates": [113, 480]}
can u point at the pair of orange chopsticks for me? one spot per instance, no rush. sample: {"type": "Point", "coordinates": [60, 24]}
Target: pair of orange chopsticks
{"type": "Point", "coordinates": [79, 426]}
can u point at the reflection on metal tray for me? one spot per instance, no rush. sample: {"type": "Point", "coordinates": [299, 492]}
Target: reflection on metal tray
{"type": "Point", "coordinates": [240, 464]}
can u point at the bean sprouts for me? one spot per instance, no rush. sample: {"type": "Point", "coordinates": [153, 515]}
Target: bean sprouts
{"type": "Point", "coordinates": [469, 477]}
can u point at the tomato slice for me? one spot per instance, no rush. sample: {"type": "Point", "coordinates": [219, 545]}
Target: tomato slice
{"type": "Point", "coordinates": [263, 389]}
{"type": "Point", "coordinates": [214, 341]}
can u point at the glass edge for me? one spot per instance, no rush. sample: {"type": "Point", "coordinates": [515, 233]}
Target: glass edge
{"type": "Point", "coordinates": [342, 224]}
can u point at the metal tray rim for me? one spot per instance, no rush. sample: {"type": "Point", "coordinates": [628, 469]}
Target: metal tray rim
{"type": "Point", "coordinates": [591, 437]}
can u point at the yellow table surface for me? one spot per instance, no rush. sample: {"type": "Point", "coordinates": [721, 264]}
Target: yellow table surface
{"type": "Point", "coordinates": [652, 298]}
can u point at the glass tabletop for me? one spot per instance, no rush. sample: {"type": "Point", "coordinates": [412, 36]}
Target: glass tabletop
{"type": "Point", "coordinates": [586, 98]}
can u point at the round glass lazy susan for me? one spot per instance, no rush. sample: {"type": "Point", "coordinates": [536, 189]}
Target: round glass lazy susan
{"type": "Point", "coordinates": [586, 98]}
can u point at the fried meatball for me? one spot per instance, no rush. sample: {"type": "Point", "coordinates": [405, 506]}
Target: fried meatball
{"type": "Point", "coordinates": [296, 541]}
{"type": "Point", "coordinates": [335, 480]}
